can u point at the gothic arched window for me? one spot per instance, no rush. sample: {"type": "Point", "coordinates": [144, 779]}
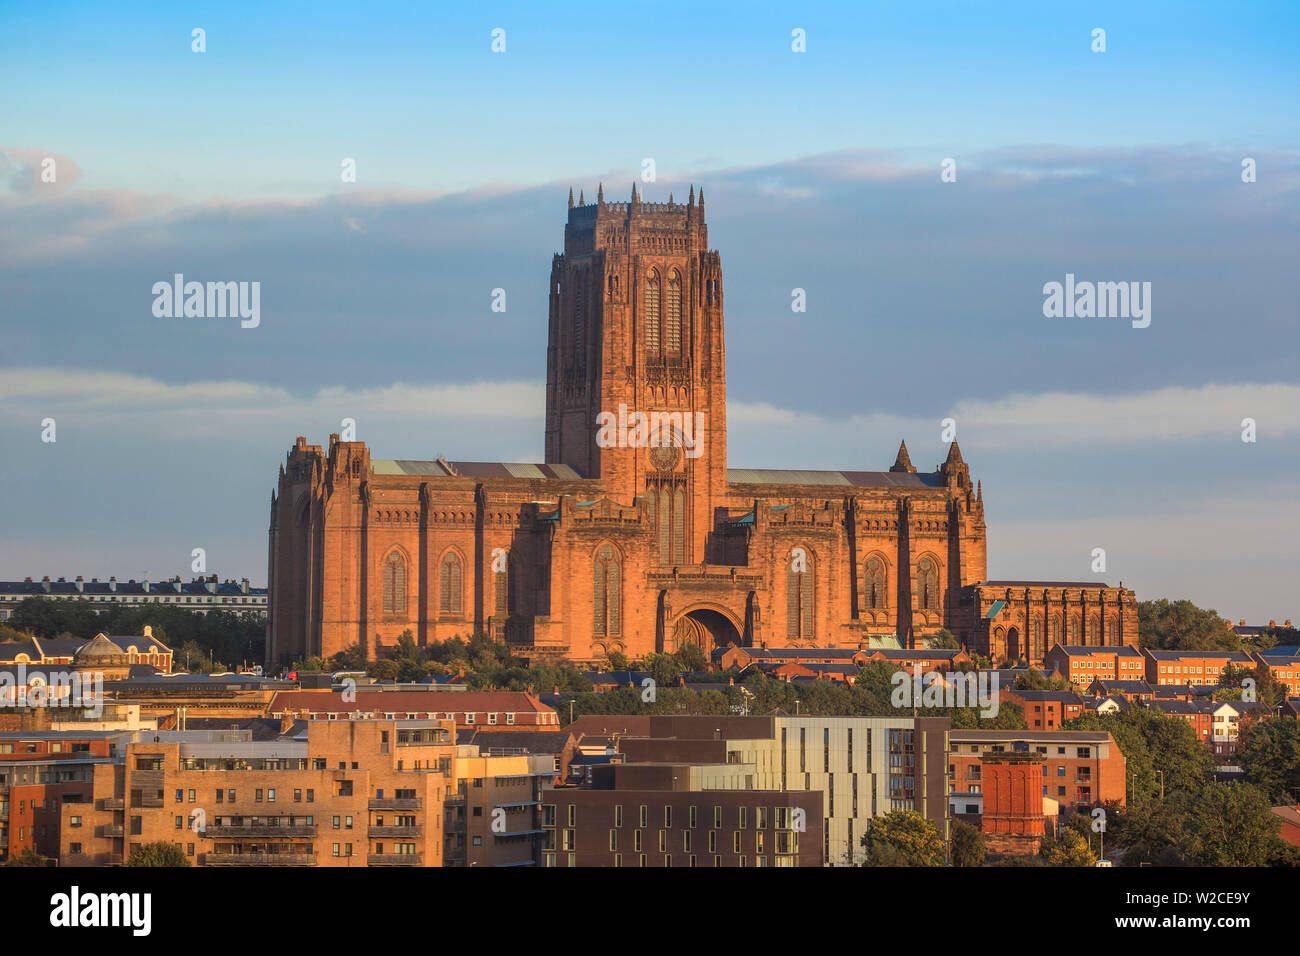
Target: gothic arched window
{"type": "Point", "coordinates": [673, 329]}
{"type": "Point", "coordinates": [501, 583]}
{"type": "Point", "coordinates": [608, 606]}
{"type": "Point", "coordinates": [665, 527]}
{"type": "Point", "coordinates": [579, 343]}
{"type": "Point", "coordinates": [1074, 629]}
{"type": "Point", "coordinates": [395, 584]}
{"type": "Point", "coordinates": [874, 585]}
{"type": "Point", "coordinates": [927, 584]}
{"type": "Point", "coordinates": [799, 602]}
{"type": "Point", "coordinates": [679, 526]}
{"type": "Point", "coordinates": [449, 578]}
{"type": "Point", "coordinates": [652, 312]}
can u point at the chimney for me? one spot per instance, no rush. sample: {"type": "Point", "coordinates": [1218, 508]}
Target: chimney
{"type": "Point", "coordinates": [112, 583]}
{"type": "Point", "coordinates": [1242, 622]}
{"type": "Point", "coordinates": [45, 584]}
{"type": "Point", "coordinates": [243, 585]}
{"type": "Point", "coordinates": [148, 631]}
{"type": "Point", "coordinates": [1272, 623]}
{"type": "Point", "coordinates": [286, 722]}
{"type": "Point", "coordinates": [81, 584]}
{"type": "Point", "coordinates": [145, 582]}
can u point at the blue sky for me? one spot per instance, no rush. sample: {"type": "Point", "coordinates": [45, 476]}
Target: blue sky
{"type": "Point", "coordinates": [821, 171]}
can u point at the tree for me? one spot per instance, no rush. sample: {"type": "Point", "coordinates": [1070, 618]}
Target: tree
{"type": "Point", "coordinates": [1153, 744]}
{"type": "Point", "coordinates": [382, 670]}
{"type": "Point", "coordinates": [618, 661]}
{"type": "Point", "coordinates": [1267, 689]}
{"type": "Point", "coordinates": [1230, 824]}
{"type": "Point", "coordinates": [966, 848]}
{"type": "Point", "coordinates": [160, 853]}
{"type": "Point", "coordinates": [903, 838]}
{"type": "Point", "coordinates": [663, 668]}
{"type": "Point", "coordinates": [352, 659]}
{"type": "Point", "coordinates": [691, 657]}
{"type": "Point", "coordinates": [943, 639]}
{"type": "Point", "coordinates": [1269, 752]}
{"type": "Point", "coordinates": [1181, 625]}
{"type": "Point", "coordinates": [1034, 679]}
{"type": "Point", "coordinates": [28, 857]}
{"type": "Point", "coordinates": [1069, 849]}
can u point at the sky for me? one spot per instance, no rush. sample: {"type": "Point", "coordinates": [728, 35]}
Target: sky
{"type": "Point", "coordinates": [822, 171]}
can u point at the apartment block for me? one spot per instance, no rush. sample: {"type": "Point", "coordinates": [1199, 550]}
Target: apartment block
{"type": "Point", "coordinates": [344, 793]}
{"type": "Point", "coordinates": [1082, 664]}
{"type": "Point", "coordinates": [666, 815]}
{"type": "Point", "coordinates": [1194, 668]}
{"type": "Point", "coordinates": [1080, 769]}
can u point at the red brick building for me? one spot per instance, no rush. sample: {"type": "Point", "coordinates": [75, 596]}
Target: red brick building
{"type": "Point", "coordinates": [1082, 665]}
{"type": "Point", "coordinates": [40, 772]}
{"type": "Point", "coordinates": [1046, 709]}
{"type": "Point", "coordinates": [1012, 820]}
{"type": "Point", "coordinates": [1193, 668]}
{"type": "Point", "coordinates": [636, 534]}
{"type": "Point", "coordinates": [513, 710]}
{"type": "Point", "coordinates": [1080, 768]}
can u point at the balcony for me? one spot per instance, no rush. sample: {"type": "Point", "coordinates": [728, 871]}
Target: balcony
{"type": "Point", "coordinates": [394, 859]}
{"type": "Point", "coordinates": [260, 859]}
{"type": "Point", "coordinates": [395, 803]}
{"type": "Point", "coordinates": [411, 831]}
{"type": "Point", "coordinates": [112, 803]}
{"type": "Point", "coordinates": [256, 832]}
{"type": "Point", "coordinates": [114, 830]}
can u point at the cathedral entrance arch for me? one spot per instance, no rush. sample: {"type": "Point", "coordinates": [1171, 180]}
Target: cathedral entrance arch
{"type": "Point", "coordinates": [707, 628]}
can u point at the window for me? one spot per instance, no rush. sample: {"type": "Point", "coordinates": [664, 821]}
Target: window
{"type": "Point", "coordinates": [799, 598]}
{"type": "Point", "coordinates": [608, 604]}
{"type": "Point", "coordinates": [579, 346]}
{"type": "Point", "coordinates": [873, 590]}
{"type": "Point", "coordinates": [652, 313]}
{"type": "Point", "coordinates": [504, 580]}
{"type": "Point", "coordinates": [449, 590]}
{"type": "Point", "coordinates": [927, 584]}
{"type": "Point", "coordinates": [673, 326]}
{"type": "Point", "coordinates": [395, 584]}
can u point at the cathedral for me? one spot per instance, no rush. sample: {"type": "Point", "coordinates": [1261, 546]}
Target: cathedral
{"type": "Point", "coordinates": [635, 535]}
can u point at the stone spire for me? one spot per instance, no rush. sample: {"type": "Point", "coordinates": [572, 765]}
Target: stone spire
{"type": "Point", "coordinates": [582, 200]}
{"type": "Point", "coordinates": [670, 197]}
{"type": "Point", "coordinates": [690, 200]}
{"type": "Point", "coordinates": [570, 197]}
{"type": "Point", "coordinates": [954, 455]}
{"type": "Point", "coordinates": [600, 192]}
{"type": "Point", "coordinates": [903, 462]}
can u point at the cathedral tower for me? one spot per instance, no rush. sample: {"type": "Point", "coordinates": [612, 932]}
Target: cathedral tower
{"type": "Point", "coordinates": [636, 380]}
